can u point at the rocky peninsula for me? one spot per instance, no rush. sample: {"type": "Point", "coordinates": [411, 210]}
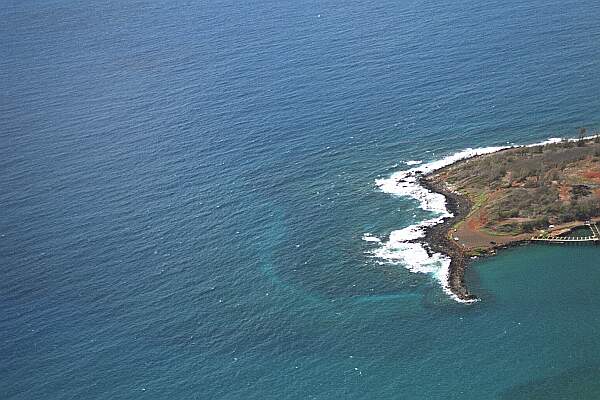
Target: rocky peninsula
{"type": "Point", "coordinates": [510, 196]}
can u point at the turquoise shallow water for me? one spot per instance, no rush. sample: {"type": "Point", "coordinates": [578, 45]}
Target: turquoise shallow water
{"type": "Point", "coordinates": [185, 188]}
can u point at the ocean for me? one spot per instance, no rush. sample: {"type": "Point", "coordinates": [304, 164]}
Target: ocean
{"type": "Point", "coordinates": [194, 200]}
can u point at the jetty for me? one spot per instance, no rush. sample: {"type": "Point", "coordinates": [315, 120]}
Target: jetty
{"type": "Point", "coordinates": [593, 238]}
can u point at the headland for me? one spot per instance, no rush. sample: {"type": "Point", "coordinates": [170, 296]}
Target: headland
{"type": "Point", "coordinates": [511, 196]}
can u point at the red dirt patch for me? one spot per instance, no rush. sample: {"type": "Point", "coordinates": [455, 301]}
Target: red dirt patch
{"type": "Point", "coordinates": [592, 174]}
{"type": "Point", "coordinates": [477, 220]}
{"type": "Point", "coordinates": [470, 238]}
{"type": "Point", "coordinates": [473, 224]}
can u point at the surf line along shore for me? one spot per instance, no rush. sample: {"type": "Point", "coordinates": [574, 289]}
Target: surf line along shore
{"type": "Point", "coordinates": [497, 197]}
{"type": "Point", "coordinates": [436, 238]}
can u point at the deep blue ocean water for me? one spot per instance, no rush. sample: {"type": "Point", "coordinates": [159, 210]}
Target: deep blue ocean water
{"type": "Point", "coordinates": [185, 185]}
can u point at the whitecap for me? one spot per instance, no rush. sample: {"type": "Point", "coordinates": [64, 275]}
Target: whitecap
{"type": "Point", "coordinates": [545, 142]}
{"type": "Point", "coordinates": [367, 237]}
{"type": "Point", "coordinates": [413, 162]}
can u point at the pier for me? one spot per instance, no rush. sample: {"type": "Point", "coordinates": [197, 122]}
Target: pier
{"type": "Point", "coordinates": [594, 238]}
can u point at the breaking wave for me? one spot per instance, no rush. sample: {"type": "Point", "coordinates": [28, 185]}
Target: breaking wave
{"type": "Point", "coordinates": [400, 248]}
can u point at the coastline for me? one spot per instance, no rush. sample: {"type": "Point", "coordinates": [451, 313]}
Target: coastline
{"type": "Point", "coordinates": [436, 238]}
{"type": "Point", "coordinates": [445, 235]}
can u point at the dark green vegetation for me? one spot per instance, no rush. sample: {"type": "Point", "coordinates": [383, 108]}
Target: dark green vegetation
{"type": "Point", "coordinates": [527, 188]}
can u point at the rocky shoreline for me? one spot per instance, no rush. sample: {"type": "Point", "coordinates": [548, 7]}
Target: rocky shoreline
{"type": "Point", "coordinates": [436, 238]}
{"type": "Point", "coordinates": [460, 242]}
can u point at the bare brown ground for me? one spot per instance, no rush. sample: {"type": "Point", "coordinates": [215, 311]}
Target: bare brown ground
{"type": "Point", "coordinates": [471, 236]}
{"type": "Point", "coordinates": [592, 175]}
{"type": "Point", "coordinates": [470, 233]}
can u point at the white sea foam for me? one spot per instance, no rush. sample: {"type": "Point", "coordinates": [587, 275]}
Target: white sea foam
{"type": "Point", "coordinates": [400, 248]}
{"type": "Point", "coordinates": [557, 140]}
{"type": "Point", "coordinates": [406, 183]}
{"type": "Point", "coordinates": [413, 162]}
{"type": "Point", "coordinates": [367, 237]}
